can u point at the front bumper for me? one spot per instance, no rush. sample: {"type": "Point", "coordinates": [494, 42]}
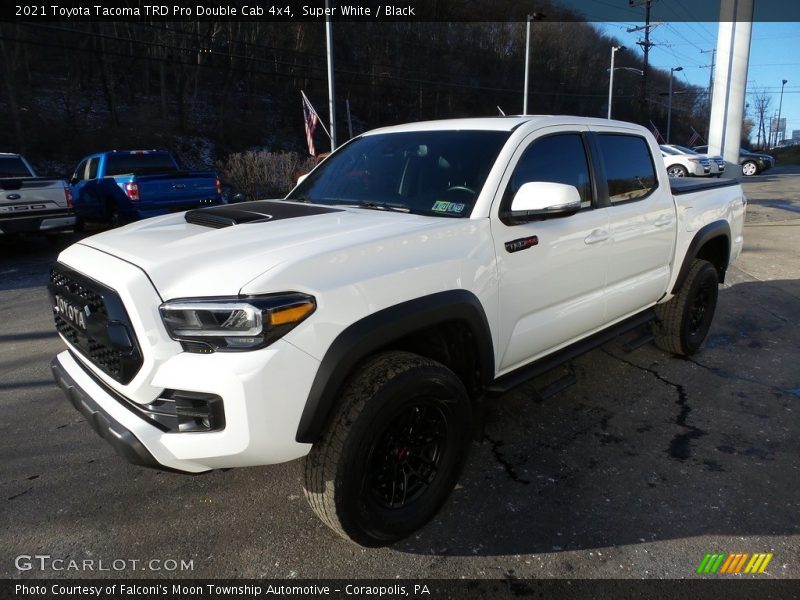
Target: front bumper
{"type": "Point", "coordinates": [263, 391]}
{"type": "Point", "coordinates": [121, 439]}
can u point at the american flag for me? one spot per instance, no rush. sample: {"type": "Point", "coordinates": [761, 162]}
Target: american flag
{"type": "Point", "coordinates": [695, 136]}
{"type": "Point", "coordinates": [311, 119]}
{"type": "Point", "coordinates": [656, 132]}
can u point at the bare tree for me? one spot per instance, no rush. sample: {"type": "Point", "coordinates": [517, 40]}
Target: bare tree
{"type": "Point", "coordinates": [761, 102]}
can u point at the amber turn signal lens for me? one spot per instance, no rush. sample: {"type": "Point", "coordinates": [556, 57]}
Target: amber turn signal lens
{"type": "Point", "coordinates": [292, 314]}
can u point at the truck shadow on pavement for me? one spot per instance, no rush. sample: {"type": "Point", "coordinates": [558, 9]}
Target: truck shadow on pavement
{"type": "Point", "coordinates": [644, 447]}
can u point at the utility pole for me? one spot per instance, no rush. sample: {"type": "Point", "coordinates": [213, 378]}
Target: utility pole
{"type": "Point", "coordinates": [711, 74]}
{"type": "Point", "coordinates": [646, 44]}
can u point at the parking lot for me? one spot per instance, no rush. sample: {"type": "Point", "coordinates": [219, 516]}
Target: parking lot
{"type": "Point", "coordinates": [642, 467]}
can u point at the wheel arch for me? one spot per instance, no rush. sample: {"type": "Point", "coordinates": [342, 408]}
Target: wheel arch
{"type": "Point", "coordinates": [712, 243]}
{"type": "Point", "coordinates": [444, 313]}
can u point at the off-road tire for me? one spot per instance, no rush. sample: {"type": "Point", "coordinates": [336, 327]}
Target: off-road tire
{"type": "Point", "coordinates": [386, 392]}
{"type": "Point", "coordinates": [683, 323]}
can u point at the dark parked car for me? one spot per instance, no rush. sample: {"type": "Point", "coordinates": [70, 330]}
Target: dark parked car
{"type": "Point", "coordinates": [752, 163]}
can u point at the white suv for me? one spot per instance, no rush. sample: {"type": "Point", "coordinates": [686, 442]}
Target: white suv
{"type": "Point", "coordinates": [683, 164]}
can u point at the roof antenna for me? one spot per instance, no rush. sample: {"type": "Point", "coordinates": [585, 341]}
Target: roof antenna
{"type": "Point", "coordinates": [502, 114]}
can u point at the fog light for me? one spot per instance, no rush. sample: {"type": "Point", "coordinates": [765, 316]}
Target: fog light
{"type": "Point", "coordinates": [182, 411]}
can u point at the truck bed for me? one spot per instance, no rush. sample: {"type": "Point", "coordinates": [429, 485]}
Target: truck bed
{"type": "Point", "coordinates": [687, 186]}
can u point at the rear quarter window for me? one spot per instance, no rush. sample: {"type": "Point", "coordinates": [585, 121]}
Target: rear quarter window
{"type": "Point", "coordinates": [629, 168]}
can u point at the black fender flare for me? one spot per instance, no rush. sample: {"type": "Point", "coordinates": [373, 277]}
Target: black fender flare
{"type": "Point", "coordinates": [378, 330]}
{"type": "Point", "coordinates": [704, 235]}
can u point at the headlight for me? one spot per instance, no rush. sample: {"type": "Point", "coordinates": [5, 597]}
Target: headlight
{"type": "Point", "coordinates": [234, 324]}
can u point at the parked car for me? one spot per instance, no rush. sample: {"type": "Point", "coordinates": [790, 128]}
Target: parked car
{"type": "Point", "coordinates": [681, 164]}
{"type": "Point", "coordinates": [753, 163]}
{"type": "Point", "coordinates": [359, 322]}
{"type": "Point", "coordinates": [29, 203]}
{"type": "Point", "coordinates": [717, 162]}
{"type": "Point", "coordinates": [128, 185]}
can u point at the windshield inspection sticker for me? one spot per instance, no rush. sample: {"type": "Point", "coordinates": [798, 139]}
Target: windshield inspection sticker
{"type": "Point", "coordinates": [448, 207]}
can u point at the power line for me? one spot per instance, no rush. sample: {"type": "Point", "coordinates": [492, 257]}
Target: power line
{"type": "Point", "coordinates": [385, 77]}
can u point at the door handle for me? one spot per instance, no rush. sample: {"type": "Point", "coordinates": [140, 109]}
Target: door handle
{"type": "Point", "coordinates": [663, 221]}
{"type": "Point", "coordinates": [597, 236]}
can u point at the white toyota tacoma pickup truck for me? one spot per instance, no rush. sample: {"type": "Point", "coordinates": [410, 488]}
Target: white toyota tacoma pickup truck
{"type": "Point", "coordinates": [358, 322]}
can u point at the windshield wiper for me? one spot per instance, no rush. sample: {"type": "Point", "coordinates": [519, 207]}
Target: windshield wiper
{"type": "Point", "coordinates": [380, 206]}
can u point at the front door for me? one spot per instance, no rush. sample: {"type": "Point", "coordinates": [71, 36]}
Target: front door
{"type": "Point", "coordinates": [552, 277]}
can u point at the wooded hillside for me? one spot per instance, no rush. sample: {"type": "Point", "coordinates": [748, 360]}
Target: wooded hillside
{"type": "Point", "coordinates": [205, 89]}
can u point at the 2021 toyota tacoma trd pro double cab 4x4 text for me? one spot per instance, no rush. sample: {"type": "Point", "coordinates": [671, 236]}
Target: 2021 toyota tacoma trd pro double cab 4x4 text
{"type": "Point", "coordinates": [357, 322]}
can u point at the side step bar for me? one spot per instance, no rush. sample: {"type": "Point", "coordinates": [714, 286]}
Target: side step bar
{"type": "Point", "coordinates": [519, 376]}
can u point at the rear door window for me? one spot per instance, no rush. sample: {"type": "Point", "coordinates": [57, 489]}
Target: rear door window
{"type": "Point", "coordinates": [93, 162]}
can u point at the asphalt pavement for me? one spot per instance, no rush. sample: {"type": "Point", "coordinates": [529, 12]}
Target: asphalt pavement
{"type": "Point", "coordinates": [642, 467]}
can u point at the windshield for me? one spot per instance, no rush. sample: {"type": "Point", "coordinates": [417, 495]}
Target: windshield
{"type": "Point", "coordinates": [424, 172]}
{"type": "Point", "coordinates": [12, 166]}
{"type": "Point", "coordinates": [685, 150]}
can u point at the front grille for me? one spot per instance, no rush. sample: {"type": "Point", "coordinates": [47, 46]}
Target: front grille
{"type": "Point", "coordinates": [92, 318]}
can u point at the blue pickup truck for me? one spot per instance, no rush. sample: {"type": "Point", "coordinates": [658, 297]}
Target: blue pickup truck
{"type": "Point", "coordinates": [127, 185]}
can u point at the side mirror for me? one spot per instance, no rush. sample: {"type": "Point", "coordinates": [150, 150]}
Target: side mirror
{"type": "Point", "coordinates": [543, 199]}
{"type": "Point", "coordinates": [72, 180]}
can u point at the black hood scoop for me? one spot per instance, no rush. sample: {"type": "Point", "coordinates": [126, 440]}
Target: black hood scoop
{"type": "Point", "coordinates": [259, 211]}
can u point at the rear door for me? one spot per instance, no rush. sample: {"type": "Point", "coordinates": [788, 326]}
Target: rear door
{"type": "Point", "coordinates": [550, 292]}
{"type": "Point", "coordinates": [642, 222]}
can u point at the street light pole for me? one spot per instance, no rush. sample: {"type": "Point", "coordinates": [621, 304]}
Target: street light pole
{"type": "Point", "coordinates": [530, 17]}
{"type": "Point", "coordinates": [669, 103]}
{"type": "Point", "coordinates": [780, 106]}
{"type": "Point", "coordinates": [527, 65]}
{"type": "Point", "coordinates": [611, 77]}
{"type": "Point", "coordinates": [331, 94]}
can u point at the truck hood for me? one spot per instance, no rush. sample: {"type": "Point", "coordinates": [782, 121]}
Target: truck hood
{"type": "Point", "coordinates": [220, 255]}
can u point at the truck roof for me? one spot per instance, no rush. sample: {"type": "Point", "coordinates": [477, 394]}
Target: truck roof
{"type": "Point", "coordinates": [507, 123]}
